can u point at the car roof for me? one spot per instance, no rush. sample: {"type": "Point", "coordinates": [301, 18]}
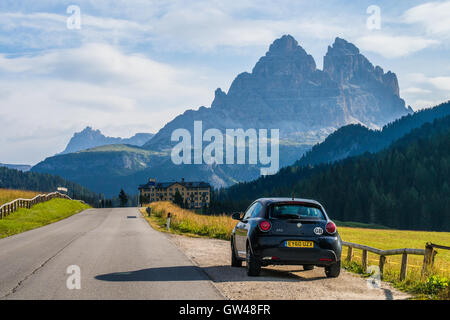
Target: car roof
{"type": "Point", "coordinates": [275, 200]}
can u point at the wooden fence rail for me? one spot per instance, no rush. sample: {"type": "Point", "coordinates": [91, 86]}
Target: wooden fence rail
{"type": "Point", "coordinates": [10, 207]}
{"type": "Point", "coordinates": [429, 254]}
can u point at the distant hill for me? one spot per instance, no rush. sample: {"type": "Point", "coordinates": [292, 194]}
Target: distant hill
{"type": "Point", "coordinates": [33, 181]}
{"type": "Point", "coordinates": [353, 140]}
{"type": "Point", "coordinates": [285, 91]}
{"type": "Point", "coordinates": [20, 167]}
{"type": "Point", "coordinates": [406, 186]}
{"type": "Point", "coordinates": [105, 169]}
{"type": "Point", "coordinates": [90, 138]}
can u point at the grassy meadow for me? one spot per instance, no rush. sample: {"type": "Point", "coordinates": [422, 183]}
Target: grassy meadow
{"type": "Point", "coordinates": [185, 221]}
{"type": "Point", "coordinates": [8, 195]}
{"type": "Point", "coordinates": [189, 223]}
{"type": "Point", "coordinates": [39, 215]}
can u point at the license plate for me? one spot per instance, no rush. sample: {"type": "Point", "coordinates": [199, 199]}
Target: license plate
{"type": "Point", "coordinates": [299, 244]}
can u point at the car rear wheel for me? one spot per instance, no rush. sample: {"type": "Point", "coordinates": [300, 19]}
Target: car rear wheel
{"type": "Point", "coordinates": [333, 271]}
{"type": "Point", "coordinates": [235, 262]}
{"type": "Point", "coordinates": [306, 268]}
{"type": "Point", "coordinates": [253, 264]}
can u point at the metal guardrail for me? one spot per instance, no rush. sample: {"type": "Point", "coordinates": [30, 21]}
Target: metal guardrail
{"type": "Point", "coordinates": [429, 254]}
{"type": "Point", "coordinates": [10, 207]}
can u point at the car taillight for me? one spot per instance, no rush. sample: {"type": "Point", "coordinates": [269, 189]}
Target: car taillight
{"type": "Point", "coordinates": [331, 227]}
{"type": "Point", "coordinates": [265, 226]}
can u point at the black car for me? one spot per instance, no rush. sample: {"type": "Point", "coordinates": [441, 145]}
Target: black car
{"type": "Point", "coordinates": [282, 231]}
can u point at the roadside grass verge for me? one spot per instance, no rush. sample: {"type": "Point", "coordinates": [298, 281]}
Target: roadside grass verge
{"type": "Point", "coordinates": [435, 287]}
{"type": "Point", "coordinates": [8, 195]}
{"type": "Point", "coordinates": [187, 222]}
{"type": "Point", "coordinates": [39, 215]}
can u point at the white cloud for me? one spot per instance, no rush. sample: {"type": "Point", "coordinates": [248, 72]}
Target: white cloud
{"type": "Point", "coordinates": [433, 16]}
{"type": "Point", "coordinates": [178, 25]}
{"type": "Point", "coordinates": [415, 90]}
{"type": "Point", "coordinates": [439, 82]}
{"type": "Point", "coordinates": [442, 83]}
{"type": "Point", "coordinates": [426, 91]}
{"type": "Point", "coordinates": [52, 95]}
{"type": "Point", "coordinates": [394, 46]}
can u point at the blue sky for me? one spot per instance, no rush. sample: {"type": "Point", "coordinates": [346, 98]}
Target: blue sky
{"type": "Point", "coordinates": [136, 64]}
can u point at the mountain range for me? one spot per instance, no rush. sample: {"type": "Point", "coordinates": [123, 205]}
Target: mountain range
{"type": "Point", "coordinates": [354, 140]}
{"type": "Point", "coordinates": [90, 138]}
{"type": "Point", "coordinates": [20, 167]}
{"type": "Point", "coordinates": [42, 182]}
{"type": "Point", "coordinates": [284, 91]}
{"type": "Point", "coordinates": [403, 186]}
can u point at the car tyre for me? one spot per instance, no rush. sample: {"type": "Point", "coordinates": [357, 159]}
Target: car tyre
{"type": "Point", "coordinates": [333, 270]}
{"type": "Point", "coordinates": [307, 268]}
{"type": "Point", "coordinates": [235, 261]}
{"type": "Point", "coordinates": [253, 264]}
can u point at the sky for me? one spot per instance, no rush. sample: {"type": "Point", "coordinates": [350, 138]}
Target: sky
{"type": "Point", "coordinates": [129, 66]}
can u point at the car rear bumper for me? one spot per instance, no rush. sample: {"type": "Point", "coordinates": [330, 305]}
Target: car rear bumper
{"type": "Point", "coordinates": [272, 251]}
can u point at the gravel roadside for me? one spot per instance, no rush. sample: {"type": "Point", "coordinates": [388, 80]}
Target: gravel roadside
{"type": "Point", "coordinates": [280, 282]}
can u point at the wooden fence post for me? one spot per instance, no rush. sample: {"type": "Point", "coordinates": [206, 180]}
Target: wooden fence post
{"type": "Point", "coordinates": [432, 259]}
{"type": "Point", "coordinates": [349, 254]}
{"type": "Point", "coordinates": [381, 264]}
{"type": "Point", "coordinates": [364, 260]}
{"type": "Point", "coordinates": [404, 266]}
{"type": "Point", "coordinates": [427, 260]}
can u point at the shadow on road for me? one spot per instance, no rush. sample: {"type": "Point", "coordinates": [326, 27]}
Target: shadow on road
{"type": "Point", "coordinates": [230, 274]}
{"type": "Point", "coordinates": [194, 273]}
{"type": "Point", "coordinates": [181, 273]}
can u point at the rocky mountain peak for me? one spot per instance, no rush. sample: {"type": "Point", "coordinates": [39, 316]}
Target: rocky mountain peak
{"type": "Point", "coordinates": [219, 98]}
{"type": "Point", "coordinates": [342, 47]}
{"type": "Point", "coordinates": [89, 132]}
{"type": "Point", "coordinates": [285, 57]}
{"type": "Point", "coordinates": [285, 46]}
{"type": "Point", "coordinates": [91, 138]}
{"type": "Point", "coordinates": [345, 64]}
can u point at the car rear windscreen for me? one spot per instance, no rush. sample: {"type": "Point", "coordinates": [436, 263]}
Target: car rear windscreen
{"type": "Point", "coordinates": [296, 211]}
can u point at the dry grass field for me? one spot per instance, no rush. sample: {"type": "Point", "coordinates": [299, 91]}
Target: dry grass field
{"type": "Point", "coordinates": [7, 195]}
{"type": "Point", "coordinates": [187, 222]}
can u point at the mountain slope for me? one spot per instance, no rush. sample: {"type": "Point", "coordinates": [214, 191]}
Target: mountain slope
{"type": "Point", "coordinates": [90, 138]}
{"type": "Point", "coordinates": [284, 91]}
{"type": "Point", "coordinates": [33, 181]}
{"type": "Point", "coordinates": [353, 140]}
{"type": "Point", "coordinates": [20, 167]}
{"type": "Point", "coordinates": [105, 169]}
{"type": "Point", "coordinates": [405, 186]}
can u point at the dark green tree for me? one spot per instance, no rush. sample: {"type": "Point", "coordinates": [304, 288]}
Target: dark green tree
{"type": "Point", "coordinates": [123, 198]}
{"type": "Point", "coordinates": [178, 199]}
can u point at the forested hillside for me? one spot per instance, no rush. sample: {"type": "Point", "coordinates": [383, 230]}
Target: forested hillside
{"type": "Point", "coordinates": [406, 186]}
{"type": "Point", "coordinates": [33, 181]}
{"type": "Point", "coordinates": [353, 140]}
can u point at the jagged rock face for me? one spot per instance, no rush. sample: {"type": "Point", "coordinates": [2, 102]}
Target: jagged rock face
{"type": "Point", "coordinates": [286, 91]}
{"type": "Point", "coordinates": [370, 96]}
{"type": "Point", "coordinates": [90, 138]}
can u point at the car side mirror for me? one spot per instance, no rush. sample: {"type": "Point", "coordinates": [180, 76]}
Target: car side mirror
{"type": "Point", "coordinates": [236, 216]}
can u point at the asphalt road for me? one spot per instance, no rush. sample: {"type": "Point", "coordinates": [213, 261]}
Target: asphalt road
{"type": "Point", "coordinates": [119, 257]}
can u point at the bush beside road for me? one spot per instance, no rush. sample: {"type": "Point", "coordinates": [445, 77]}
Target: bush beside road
{"type": "Point", "coordinates": [8, 195]}
{"type": "Point", "coordinates": [39, 215]}
{"type": "Point", "coordinates": [187, 222]}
